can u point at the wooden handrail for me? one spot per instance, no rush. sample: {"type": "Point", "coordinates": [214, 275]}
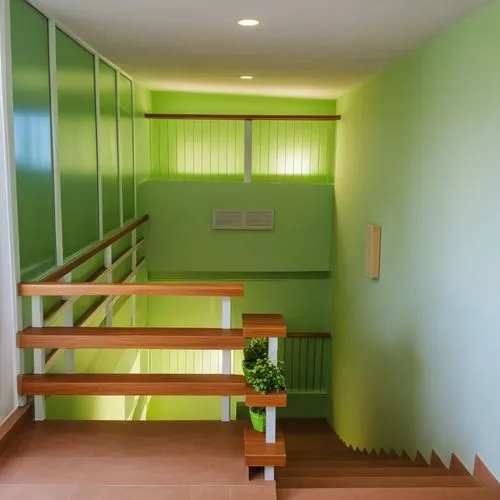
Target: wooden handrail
{"type": "Point", "coordinates": [317, 118]}
{"type": "Point", "coordinates": [309, 335]}
{"type": "Point", "coordinates": [62, 271]}
{"type": "Point", "coordinates": [56, 289]}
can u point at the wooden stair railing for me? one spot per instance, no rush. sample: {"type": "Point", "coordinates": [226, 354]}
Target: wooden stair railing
{"type": "Point", "coordinates": [264, 450]}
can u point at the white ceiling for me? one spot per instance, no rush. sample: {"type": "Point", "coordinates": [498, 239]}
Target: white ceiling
{"type": "Point", "coordinates": [312, 48]}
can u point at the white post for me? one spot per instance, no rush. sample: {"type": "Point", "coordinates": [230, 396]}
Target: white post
{"type": "Point", "coordinates": [271, 410]}
{"type": "Point", "coordinates": [38, 354]}
{"type": "Point", "coordinates": [247, 176]}
{"type": "Point", "coordinates": [108, 262]}
{"type": "Point", "coordinates": [10, 303]}
{"type": "Point", "coordinates": [69, 354]}
{"type": "Point", "coordinates": [226, 357]}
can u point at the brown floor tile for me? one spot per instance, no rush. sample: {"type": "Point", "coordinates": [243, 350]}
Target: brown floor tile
{"type": "Point", "coordinates": [48, 470]}
{"type": "Point", "coordinates": [250, 492]}
{"type": "Point", "coordinates": [206, 492]}
{"type": "Point", "coordinates": [132, 493]}
{"type": "Point", "coordinates": [35, 492]}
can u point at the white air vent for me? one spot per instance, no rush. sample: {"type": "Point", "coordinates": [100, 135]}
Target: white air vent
{"type": "Point", "coordinates": [257, 220]}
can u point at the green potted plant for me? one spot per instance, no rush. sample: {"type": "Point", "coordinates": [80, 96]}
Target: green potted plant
{"type": "Point", "coordinates": [265, 378]}
{"type": "Point", "coordinates": [254, 350]}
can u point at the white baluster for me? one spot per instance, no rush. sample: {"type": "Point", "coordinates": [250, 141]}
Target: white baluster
{"type": "Point", "coordinates": [226, 357]}
{"type": "Point", "coordinates": [38, 354]}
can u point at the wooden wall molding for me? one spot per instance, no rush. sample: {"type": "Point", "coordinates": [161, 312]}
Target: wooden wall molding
{"type": "Point", "coordinates": [15, 423]}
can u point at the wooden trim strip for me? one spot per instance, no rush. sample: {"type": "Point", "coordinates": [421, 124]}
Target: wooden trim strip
{"type": "Point", "coordinates": [169, 116]}
{"type": "Point", "coordinates": [59, 289]}
{"type": "Point", "coordinates": [91, 252]}
{"type": "Point", "coordinates": [12, 425]}
{"type": "Point", "coordinates": [97, 384]}
{"type": "Point", "coordinates": [308, 335]}
{"type": "Point", "coordinates": [130, 338]}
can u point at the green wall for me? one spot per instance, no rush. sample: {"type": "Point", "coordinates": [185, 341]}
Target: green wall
{"type": "Point", "coordinates": [416, 353]}
{"type": "Point", "coordinates": [200, 103]}
{"type": "Point", "coordinates": [32, 135]}
{"type": "Point", "coordinates": [108, 148]}
{"type": "Point", "coordinates": [77, 151]}
{"type": "Point", "coordinates": [180, 237]}
{"type": "Point", "coordinates": [283, 271]}
{"type": "Point", "coordinates": [79, 143]}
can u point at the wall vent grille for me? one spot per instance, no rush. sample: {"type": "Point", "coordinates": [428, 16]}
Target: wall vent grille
{"type": "Point", "coordinates": [256, 220]}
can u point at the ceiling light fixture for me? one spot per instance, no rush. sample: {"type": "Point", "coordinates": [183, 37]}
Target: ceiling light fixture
{"type": "Point", "coordinates": [248, 23]}
{"type": "Point", "coordinates": [246, 77]}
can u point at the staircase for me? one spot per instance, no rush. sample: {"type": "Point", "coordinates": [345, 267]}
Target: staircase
{"type": "Point", "coordinates": [320, 467]}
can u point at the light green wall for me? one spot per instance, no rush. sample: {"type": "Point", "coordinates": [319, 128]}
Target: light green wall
{"type": "Point", "coordinates": [200, 103]}
{"type": "Point", "coordinates": [416, 353]}
{"type": "Point", "coordinates": [180, 237]}
{"type": "Point", "coordinates": [35, 192]}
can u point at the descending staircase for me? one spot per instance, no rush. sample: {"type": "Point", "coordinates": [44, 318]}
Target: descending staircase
{"type": "Point", "coordinates": [320, 467]}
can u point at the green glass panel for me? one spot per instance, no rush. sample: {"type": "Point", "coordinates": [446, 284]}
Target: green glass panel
{"type": "Point", "coordinates": [32, 136]}
{"type": "Point", "coordinates": [108, 148]}
{"type": "Point", "coordinates": [126, 148]}
{"type": "Point", "coordinates": [77, 144]}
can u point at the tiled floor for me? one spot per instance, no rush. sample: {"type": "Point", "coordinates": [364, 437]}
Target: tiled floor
{"type": "Point", "coordinates": [128, 461]}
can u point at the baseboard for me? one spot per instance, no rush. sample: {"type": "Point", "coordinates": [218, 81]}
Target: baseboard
{"type": "Point", "coordinates": [17, 421]}
{"type": "Point", "coordinates": [483, 475]}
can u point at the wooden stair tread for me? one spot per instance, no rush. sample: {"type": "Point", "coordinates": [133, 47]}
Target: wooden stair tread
{"type": "Point", "coordinates": [258, 453]}
{"type": "Point", "coordinates": [264, 325]}
{"type": "Point", "coordinates": [131, 385]}
{"type": "Point", "coordinates": [254, 398]}
{"type": "Point", "coordinates": [433, 493]}
{"type": "Point", "coordinates": [378, 482]}
{"type": "Point", "coordinates": [347, 463]}
{"type": "Point", "coordinates": [126, 338]}
{"type": "Point", "coordinates": [355, 471]}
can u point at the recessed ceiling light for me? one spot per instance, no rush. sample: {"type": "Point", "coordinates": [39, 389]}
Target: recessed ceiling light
{"type": "Point", "coordinates": [246, 77]}
{"type": "Point", "coordinates": [248, 22]}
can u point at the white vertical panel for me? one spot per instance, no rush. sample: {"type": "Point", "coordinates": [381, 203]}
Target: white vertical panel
{"type": "Point", "coordinates": [10, 304]}
{"type": "Point", "coordinates": [54, 118]}
{"type": "Point", "coordinates": [68, 322]}
{"type": "Point", "coordinates": [108, 262]}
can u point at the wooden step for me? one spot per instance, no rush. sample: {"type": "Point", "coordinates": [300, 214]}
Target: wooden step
{"type": "Point", "coordinates": [355, 471]}
{"type": "Point", "coordinates": [131, 385]}
{"type": "Point", "coordinates": [254, 398]}
{"type": "Point", "coordinates": [130, 338]}
{"type": "Point", "coordinates": [378, 482]}
{"type": "Point", "coordinates": [389, 494]}
{"type": "Point", "coordinates": [258, 453]}
{"type": "Point", "coordinates": [264, 325]}
{"type": "Point", "coordinates": [346, 463]}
